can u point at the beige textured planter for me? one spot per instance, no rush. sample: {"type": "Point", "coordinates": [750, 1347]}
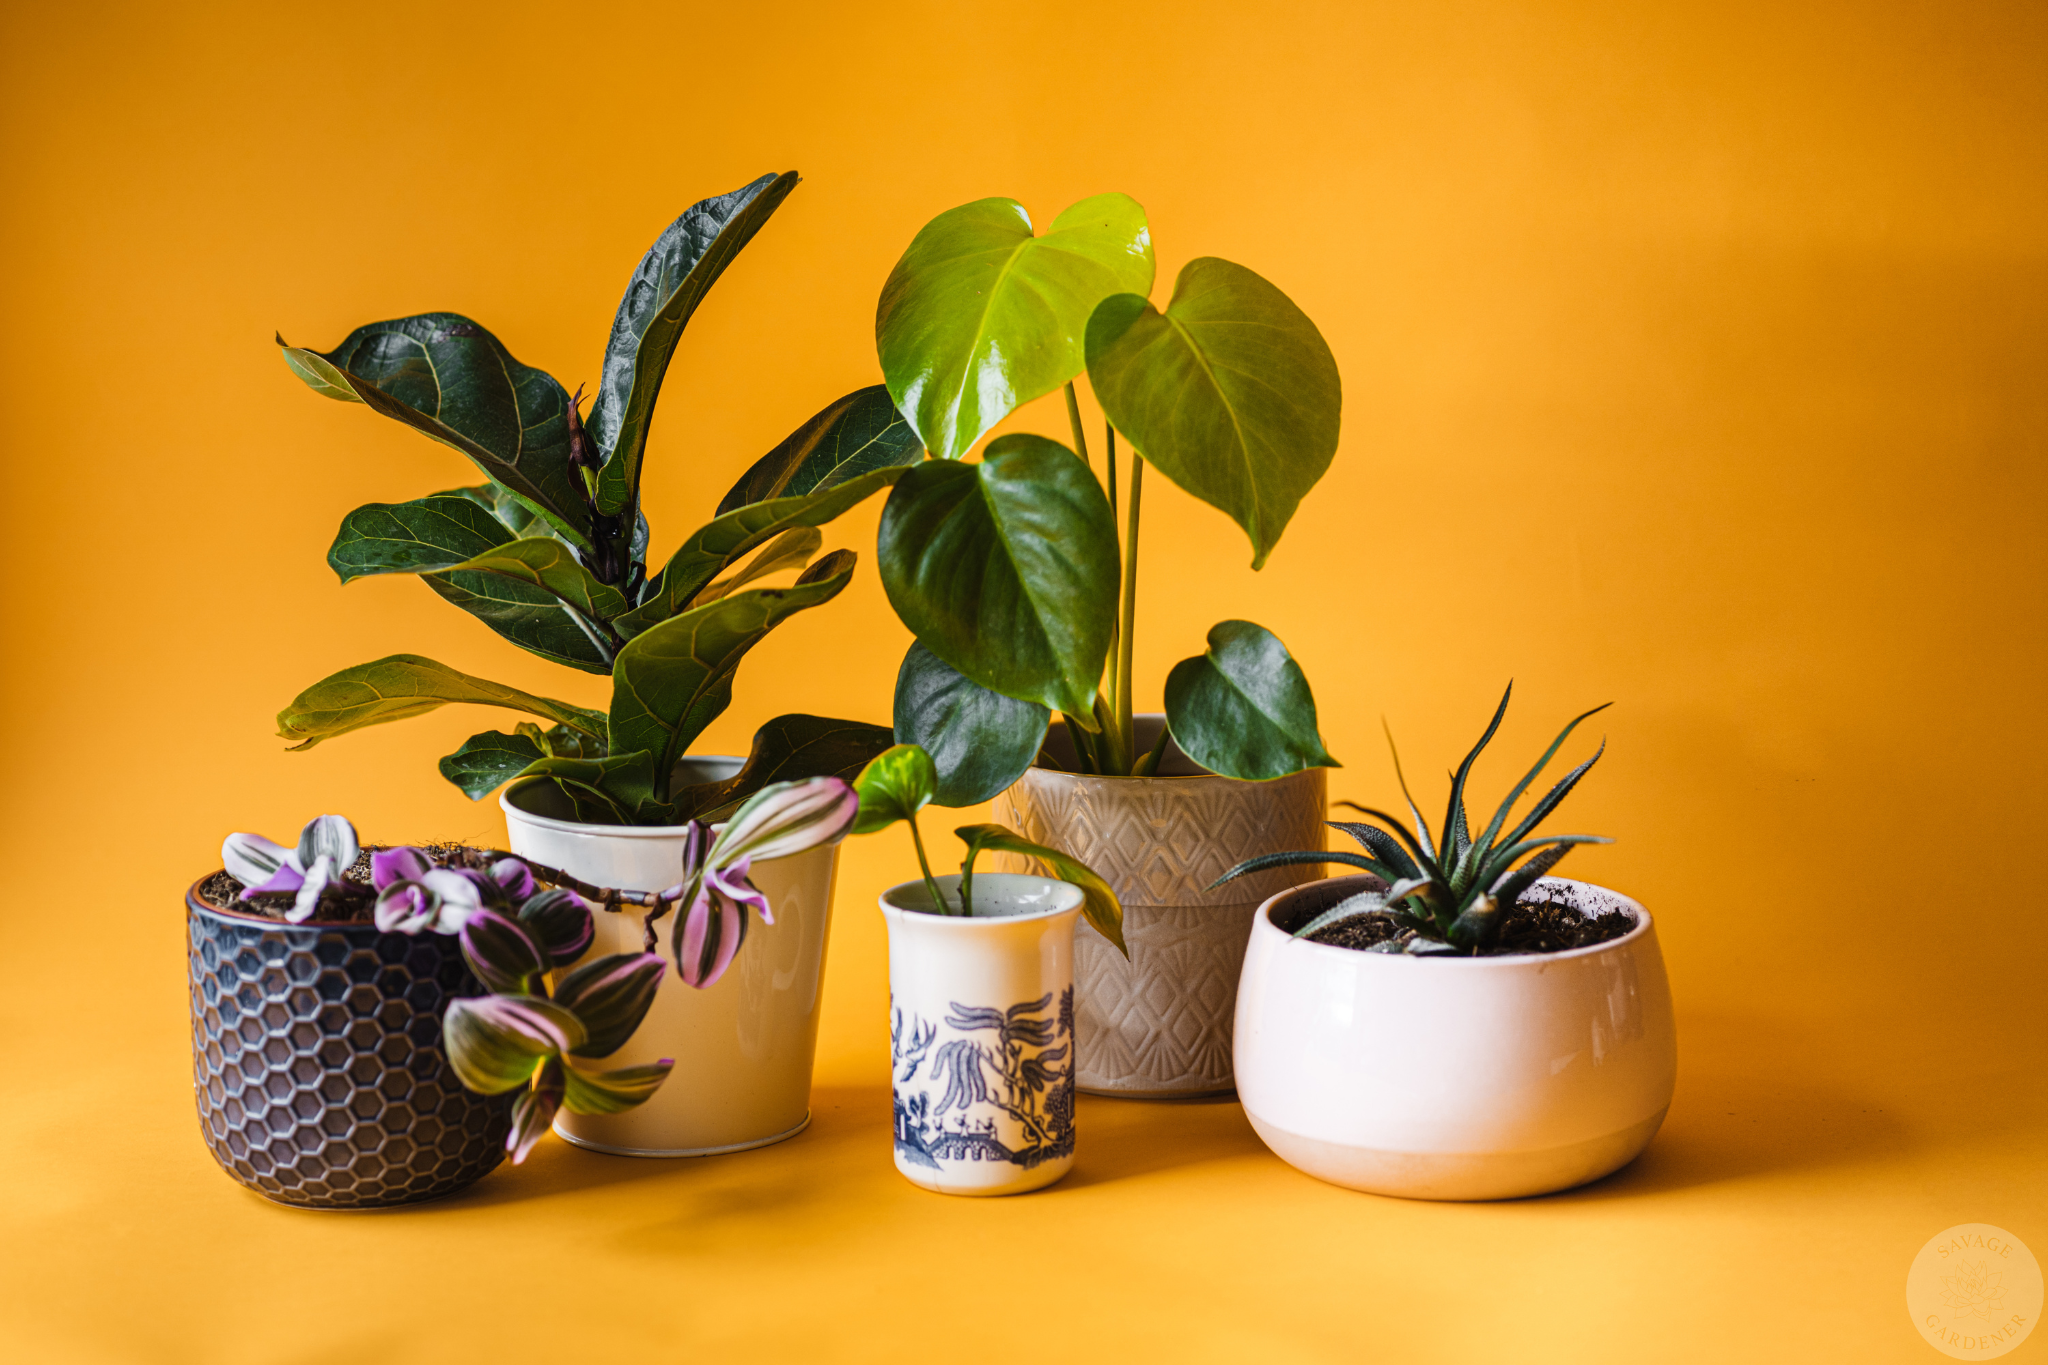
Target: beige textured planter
{"type": "Point", "coordinates": [1159, 1025]}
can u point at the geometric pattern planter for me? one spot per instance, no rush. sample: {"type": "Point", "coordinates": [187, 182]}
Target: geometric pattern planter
{"type": "Point", "coordinates": [317, 1062]}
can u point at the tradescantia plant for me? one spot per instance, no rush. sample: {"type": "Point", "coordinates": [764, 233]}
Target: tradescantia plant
{"type": "Point", "coordinates": [1449, 892]}
{"type": "Point", "coordinates": [1008, 569]}
{"type": "Point", "coordinates": [551, 551]}
{"type": "Point", "coordinates": [903, 781]}
{"type": "Point", "coordinates": [515, 933]}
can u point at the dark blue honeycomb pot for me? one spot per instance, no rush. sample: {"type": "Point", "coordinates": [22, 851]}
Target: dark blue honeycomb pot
{"type": "Point", "coordinates": [317, 1062]}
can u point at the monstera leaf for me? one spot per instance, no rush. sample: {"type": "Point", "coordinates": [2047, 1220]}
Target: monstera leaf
{"type": "Point", "coordinates": [1244, 709]}
{"type": "Point", "coordinates": [1007, 569]}
{"type": "Point", "coordinates": [724, 539]}
{"type": "Point", "coordinates": [405, 685]}
{"type": "Point", "coordinates": [788, 749]}
{"type": "Point", "coordinates": [859, 433]}
{"type": "Point", "coordinates": [980, 316]}
{"type": "Point", "coordinates": [1231, 392]}
{"type": "Point", "coordinates": [674, 678]}
{"type": "Point", "coordinates": [979, 741]}
{"type": "Point", "coordinates": [672, 279]}
{"type": "Point", "coordinates": [441, 374]}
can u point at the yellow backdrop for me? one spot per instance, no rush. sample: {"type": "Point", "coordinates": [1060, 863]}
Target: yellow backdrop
{"type": "Point", "coordinates": [1693, 360]}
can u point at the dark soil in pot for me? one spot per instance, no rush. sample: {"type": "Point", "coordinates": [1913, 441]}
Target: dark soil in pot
{"type": "Point", "coordinates": [1537, 924]}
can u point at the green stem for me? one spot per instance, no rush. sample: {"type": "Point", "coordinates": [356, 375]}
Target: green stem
{"type": "Point", "coordinates": [1127, 626]}
{"type": "Point", "coordinates": [967, 881]}
{"type": "Point", "coordinates": [924, 865]}
{"type": "Point", "coordinates": [1112, 468]}
{"type": "Point", "coordinates": [1074, 419]}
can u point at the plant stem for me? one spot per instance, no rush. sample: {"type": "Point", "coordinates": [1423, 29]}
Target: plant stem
{"type": "Point", "coordinates": [1111, 462]}
{"type": "Point", "coordinates": [1127, 626]}
{"type": "Point", "coordinates": [967, 882]}
{"type": "Point", "coordinates": [1074, 419]}
{"type": "Point", "coordinates": [924, 865]}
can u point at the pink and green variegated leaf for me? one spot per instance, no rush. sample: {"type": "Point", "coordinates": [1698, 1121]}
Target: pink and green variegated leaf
{"type": "Point", "coordinates": [501, 953]}
{"type": "Point", "coordinates": [707, 938]}
{"type": "Point", "coordinates": [327, 836]}
{"type": "Point", "coordinates": [497, 1042]}
{"type": "Point", "coordinates": [560, 922]}
{"type": "Point", "coordinates": [611, 996]}
{"type": "Point", "coordinates": [534, 1112]}
{"type": "Point", "coordinates": [613, 1092]}
{"type": "Point", "coordinates": [785, 818]}
{"type": "Point", "coordinates": [402, 864]}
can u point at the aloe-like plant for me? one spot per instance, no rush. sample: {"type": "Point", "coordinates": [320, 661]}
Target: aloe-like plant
{"type": "Point", "coordinates": [551, 551]}
{"type": "Point", "coordinates": [1009, 569]}
{"type": "Point", "coordinates": [1449, 891]}
{"type": "Point", "coordinates": [903, 781]}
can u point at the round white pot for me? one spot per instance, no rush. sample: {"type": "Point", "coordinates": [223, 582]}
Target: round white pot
{"type": "Point", "coordinates": [981, 1030]}
{"type": "Point", "coordinates": [1454, 1078]}
{"type": "Point", "coordinates": [743, 1048]}
{"type": "Point", "coordinates": [1157, 1025]}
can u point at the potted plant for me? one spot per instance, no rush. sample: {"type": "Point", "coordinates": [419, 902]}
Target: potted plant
{"type": "Point", "coordinates": [1453, 1023]}
{"type": "Point", "coordinates": [552, 553]}
{"type": "Point", "coordinates": [981, 998]}
{"type": "Point", "coordinates": [373, 1027]}
{"type": "Point", "coordinates": [1010, 573]}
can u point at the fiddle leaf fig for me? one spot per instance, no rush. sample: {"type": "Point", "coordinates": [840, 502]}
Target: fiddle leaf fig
{"type": "Point", "coordinates": [1007, 569]}
{"type": "Point", "coordinates": [790, 551]}
{"type": "Point", "coordinates": [487, 761]}
{"type": "Point", "coordinates": [674, 678]}
{"type": "Point", "coordinates": [441, 374]}
{"type": "Point", "coordinates": [787, 748]}
{"type": "Point", "coordinates": [532, 618]}
{"type": "Point", "coordinates": [435, 532]}
{"type": "Point", "coordinates": [671, 280]}
{"type": "Point", "coordinates": [551, 566]}
{"type": "Point", "coordinates": [980, 741]}
{"type": "Point", "coordinates": [1244, 709]}
{"type": "Point", "coordinates": [408, 685]}
{"type": "Point", "coordinates": [980, 315]}
{"type": "Point", "coordinates": [858, 433]}
{"type": "Point", "coordinates": [1231, 392]}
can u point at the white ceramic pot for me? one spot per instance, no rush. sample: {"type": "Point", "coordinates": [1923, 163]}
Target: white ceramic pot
{"type": "Point", "coordinates": [1157, 1025]}
{"type": "Point", "coordinates": [981, 1029]}
{"type": "Point", "coordinates": [1454, 1078]}
{"type": "Point", "coordinates": [743, 1048]}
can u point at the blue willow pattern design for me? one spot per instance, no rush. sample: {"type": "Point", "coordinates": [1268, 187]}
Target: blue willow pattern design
{"type": "Point", "coordinates": [1015, 1075]}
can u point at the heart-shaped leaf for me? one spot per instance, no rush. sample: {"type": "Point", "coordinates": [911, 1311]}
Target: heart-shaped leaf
{"type": "Point", "coordinates": [724, 539]}
{"type": "Point", "coordinates": [980, 741]}
{"type": "Point", "coordinates": [980, 316]}
{"type": "Point", "coordinates": [671, 280]}
{"type": "Point", "coordinates": [674, 678]}
{"type": "Point", "coordinates": [441, 374]}
{"type": "Point", "coordinates": [1098, 901]}
{"type": "Point", "coordinates": [787, 749]}
{"type": "Point", "coordinates": [1244, 709]}
{"type": "Point", "coordinates": [1007, 569]}
{"type": "Point", "coordinates": [487, 761]}
{"type": "Point", "coordinates": [1231, 392]}
{"type": "Point", "coordinates": [858, 433]}
{"type": "Point", "coordinates": [899, 783]}
{"type": "Point", "coordinates": [403, 685]}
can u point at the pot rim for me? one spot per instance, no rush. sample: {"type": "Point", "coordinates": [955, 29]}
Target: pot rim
{"type": "Point", "coordinates": [618, 831]}
{"type": "Point", "coordinates": [964, 922]}
{"type": "Point", "coordinates": [197, 904]}
{"type": "Point", "coordinates": [1262, 922]}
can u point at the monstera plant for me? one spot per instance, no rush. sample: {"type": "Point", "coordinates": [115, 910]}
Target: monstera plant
{"type": "Point", "coordinates": [551, 550]}
{"type": "Point", "coordinates": [1009, 569]}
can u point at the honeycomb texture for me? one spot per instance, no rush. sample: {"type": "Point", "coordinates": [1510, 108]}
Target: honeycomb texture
{"type": "Point", "coordinates": [317, 1062]}
{"type": "Point", "coordinates": [1159, 1024]}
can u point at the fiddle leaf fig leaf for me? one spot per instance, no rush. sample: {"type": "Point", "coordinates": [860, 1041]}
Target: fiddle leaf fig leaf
{"type": "Point", "coordinates": [1244, 709]}
{"type": "Point", "coordinates": [403, 685]}
{"type": "Point", "coordinates": [435, 532]}
{"type": "Point", "coordinates": [441, 374]}
{"type": "Point", "coordinates": [674, 678]}
{"type": "Point", "coordinates": [724, 539]}
{"type": "Point", "coordinates": [788, 749]}
{"type": "Point", "coordinates": [899, 783]}
{"type": "Point", "coordinates": [1007, 569]}
{"type": "Point", "coordinates": [487, 761]}
{"type": "Point", "coordinates": [1098, 902]}
{"type": "Point", "coordinates": [617, 790]}
{"type": "Point", "coordinates": [1231, 392]}
{"type": "Point", "coordinates": [532, 618]}
{"type": "Point", "coordinates": [980, 316]}
{"type": "Point", "coordinates": [979, 741]}
{"type": "Point", "coordinates": [669, 283]}
{"type": "Point", "coordinates": [792, 550]}
{"type": "Point", "coordinates": [852, 436]}
{"type": "Point", "coordinates": [549, 565]}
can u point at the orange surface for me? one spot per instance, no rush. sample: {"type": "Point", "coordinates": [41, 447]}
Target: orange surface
{"type": "Point", "coordinates": [1693, 358]}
